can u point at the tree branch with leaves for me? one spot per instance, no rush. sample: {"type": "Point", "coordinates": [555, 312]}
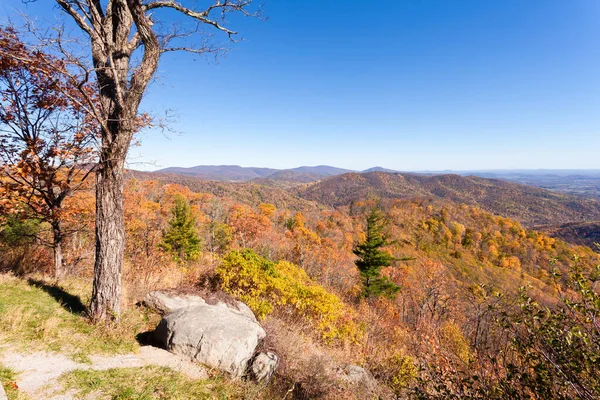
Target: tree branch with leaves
{"type": "Point", "coordinates": [47, 137]}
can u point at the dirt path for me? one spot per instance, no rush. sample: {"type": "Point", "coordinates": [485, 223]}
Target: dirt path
{"type": "Point", "coordinates": [38, 372]}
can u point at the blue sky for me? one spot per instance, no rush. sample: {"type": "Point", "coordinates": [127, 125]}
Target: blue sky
{"type": "Point", "coordinates": [408, 85]}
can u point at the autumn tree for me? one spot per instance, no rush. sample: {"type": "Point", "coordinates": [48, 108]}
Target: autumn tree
{"type": "Point", "coordinates": [371, 258]}
{"type": "Point", "coordinates": [559, 346]}
{"type": "Point", "coordinates": [126, 39]}
{"type": "Point", "coordinates": [47, 139]}
{"type": "Point", "coordinates": [181, 238]}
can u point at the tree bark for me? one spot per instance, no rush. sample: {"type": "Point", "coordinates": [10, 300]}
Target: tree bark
{"type": "Point", "coordinates": [57, 238]}
{"type": "Point", "coordinates": [116, 30]}
{"type": "Point", "coordinates": [110, 240]}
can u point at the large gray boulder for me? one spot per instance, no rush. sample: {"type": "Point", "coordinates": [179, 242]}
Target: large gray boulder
{"type": "Point", "coordinates": [165, 302]}
{"type": "Point", "coordinates": [222, 336]}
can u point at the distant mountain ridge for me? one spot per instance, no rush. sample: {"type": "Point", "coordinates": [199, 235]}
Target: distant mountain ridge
{"type": "Point", "coordinates": [221, 172]}
{"type": "Point", "coordinates": [236, 173]}
{"type": "Point", "coordinates": [582, 183]}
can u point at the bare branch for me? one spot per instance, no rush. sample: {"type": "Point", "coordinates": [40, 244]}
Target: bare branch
{"type": "Point", "coordinates": [203, 16]}
{"type": "Point", "coordinates": [78, 18]}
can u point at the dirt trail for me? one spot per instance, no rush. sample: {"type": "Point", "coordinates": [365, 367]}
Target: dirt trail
{"type": "Point", "coordinates": [38, 372]}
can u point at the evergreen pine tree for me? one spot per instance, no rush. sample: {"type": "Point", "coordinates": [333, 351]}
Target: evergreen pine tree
{"type": "Point", "coordinates": [181, 238]}
{"type": "Point", "coordinates": [371, 259]}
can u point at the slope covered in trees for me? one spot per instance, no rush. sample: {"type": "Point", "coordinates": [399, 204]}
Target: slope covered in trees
{"type": "Point", "coordinates": [531, 206]}
{"type": "Point", "coordinates": [460, 270]}
{"type": "Point", "coordinates": [582, 233]}
{"type": "Point", "coordinates": [242, 192]}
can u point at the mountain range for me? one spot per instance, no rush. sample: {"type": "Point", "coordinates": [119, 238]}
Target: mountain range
{"type": "Point", "coordinates": [313, 187]}
{"type": "Point", "coordinates": [584, 183]}
{"type": "Point", "coordinates": [236, 173]}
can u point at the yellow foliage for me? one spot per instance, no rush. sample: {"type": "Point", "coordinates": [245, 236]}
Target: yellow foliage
{"type": "Point", "coordinates": [403, 372]}
{"type": "Point", "coordinates": [453, 338]}
{"type": "Point", "coordinates": [458, 230]}
{"type": "Point", "coordinates": [265, 285]}
{"type": "Point", "coordinates": [268, 210]}
{"type": "Point", "coordinates": [512, 262]}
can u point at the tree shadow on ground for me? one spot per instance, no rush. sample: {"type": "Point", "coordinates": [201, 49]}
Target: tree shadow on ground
{"type": "Point", "coordinates": [68, 301]}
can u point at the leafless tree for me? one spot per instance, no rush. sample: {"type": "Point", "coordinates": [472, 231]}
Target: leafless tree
{"type": "Point", "coordinates": [126, 39]}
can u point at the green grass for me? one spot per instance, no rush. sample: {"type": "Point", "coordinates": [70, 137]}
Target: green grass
{"type": "Point", "coordinates": [37, 315]}
{"type": "Point", "coordinates": [8, 378]}
{"type": "Point", "coordinates": [147, 383]}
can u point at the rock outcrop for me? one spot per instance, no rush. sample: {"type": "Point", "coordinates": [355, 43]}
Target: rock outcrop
{"type": "Point", "coordinates": [221, 335]}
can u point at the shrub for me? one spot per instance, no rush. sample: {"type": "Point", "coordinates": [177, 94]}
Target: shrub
{"type": "Point", "coordinates": [403, 372]}
{"type": "Point", "coordinates": [265, 285]}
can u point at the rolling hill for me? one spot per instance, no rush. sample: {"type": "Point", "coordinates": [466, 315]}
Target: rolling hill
{"type": "Point", "coordinates": [529, 205]}
{"type": "Point", "coordinates": [532, 206]}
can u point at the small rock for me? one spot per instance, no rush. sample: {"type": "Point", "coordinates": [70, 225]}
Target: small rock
{"type": "Point", "coordinates": [264, 366]}
{"type": "Point", "coordinates": [355, 374]}
{"type": "Point", "coordinates": [164, 303]}
{"type": "Point", "coordinates": [362, 382]}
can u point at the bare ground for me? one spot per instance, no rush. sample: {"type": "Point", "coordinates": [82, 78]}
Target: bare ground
{"type": "Point", "coordinates": [38, 372]}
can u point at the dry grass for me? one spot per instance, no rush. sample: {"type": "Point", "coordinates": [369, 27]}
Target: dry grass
{"type": "Point", "coordinates": [309, 369]}
{"type": "Point", "coordinates": [8, 378]}
{"type": "Point", "coordinates": [37, 314]}
{"type": "Point", "coordinates": [150, 383]}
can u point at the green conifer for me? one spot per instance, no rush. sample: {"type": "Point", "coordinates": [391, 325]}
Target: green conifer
{"type": "Point", "coordinates": [371, 259]}
{"type": "Point", "coordinates": [181, 238]}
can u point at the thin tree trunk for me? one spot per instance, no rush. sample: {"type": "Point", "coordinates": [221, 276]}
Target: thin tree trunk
{"type": "Point", "coordinates": [110, 241]}
{"type": "Point", "coordinates": [57, 239]}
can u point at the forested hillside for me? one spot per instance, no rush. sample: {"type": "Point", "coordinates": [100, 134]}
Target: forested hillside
{"type": "Point", "coordinates": [307, 283]}
{"type": "Point", "coordinates": [582, 233]}
{"type": "Point", "coordinates": [235, 173]}
{"type": "Point", "coordinates": [529, 205]}
{"type": "Point", "coordinates": [460, 270]}
{"type": "Point", "coordinates": [242, 192]}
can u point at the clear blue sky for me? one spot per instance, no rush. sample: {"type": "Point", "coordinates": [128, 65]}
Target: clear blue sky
{"type": "Point", "coordinates": [408, 85]}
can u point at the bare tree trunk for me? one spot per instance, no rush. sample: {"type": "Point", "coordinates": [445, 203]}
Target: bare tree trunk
{"type": "Point", "coordinates": [57, 238]}
{"type": "Point", "coordinates": [116, 30]}
{"type": "Point", "coordinates": [110, 241]}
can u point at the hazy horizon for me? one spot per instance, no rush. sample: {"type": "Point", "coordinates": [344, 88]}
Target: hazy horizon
{"type": "Point", "coordinates": [556, 170]}
{"type": "Point", "coordinates": [414, 86]}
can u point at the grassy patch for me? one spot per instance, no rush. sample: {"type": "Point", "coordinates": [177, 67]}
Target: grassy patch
{"type": "Point", "coordinates": [147, 383]}
{"type": "Point", "coordinates": [42, 316]}
{"type": "Point", "coordinates": [8, 378]}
